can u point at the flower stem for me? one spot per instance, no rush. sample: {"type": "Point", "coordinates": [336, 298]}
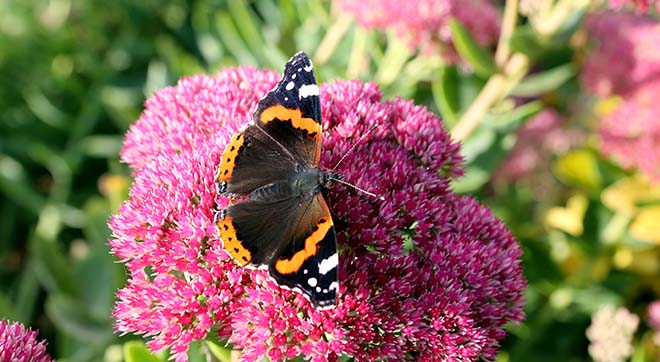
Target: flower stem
{"type": "Point", "coordinates": [332, 38]}
{"type": "Point", "coordinates": [495, 89]}
{"type": "Point", "coordinates": [514, 66]}
{"type": "Point", "coordinates": [508, 25]}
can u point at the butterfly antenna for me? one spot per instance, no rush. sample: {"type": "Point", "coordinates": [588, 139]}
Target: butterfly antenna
{"type": "Point", "coordinates": [381, 198]}
{"type": "Point", "coordinates": [350, 150]}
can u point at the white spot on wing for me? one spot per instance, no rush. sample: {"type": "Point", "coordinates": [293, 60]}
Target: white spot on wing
{"type": "Point", "coordinates": [333, 286]}
{"type": "Point", "coordinates": [312, 282]}
{"type": "Point", "coordinates": [318, 289]}
{"type": "Point", "coordinates": [293, 76]}
{"type": "Point", "coordinates": [305, 271]}
{"type": "Point", "coordinates": [309, 67]}
{"type": "Point", "coordinates": [290, 85]}
{"type": "Point", "coordinates": [308, 90]}
{"type": "Point", "coordinates": [328, 264]}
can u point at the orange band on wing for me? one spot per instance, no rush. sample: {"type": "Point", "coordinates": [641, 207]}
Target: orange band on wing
{"type": "Point", "coordinates": [230, 242]}
{"type": "Point", "coordinates": [292, 265]}
{"type": "Point", "coordinates": [282, 113]}
{"type": "Point", "coordinates": [228, 160]}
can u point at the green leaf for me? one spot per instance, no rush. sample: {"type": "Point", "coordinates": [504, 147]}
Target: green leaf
{"type": "Point", "coordinates": [481, 140]}
{"type": "Point", "coordinates": [198, 352]}
{"type": "Point", "coordinates": [396, 57]}
{"type": "Point", "coordinates": [549, 80]}
{"type": "Point", "coordinates": [242, 14]}
{"type": "Point", "coordinates": [471, 181]}
{"type": "Point", "coordinates": [71, 317]}
{"type": "Point", "coordinates": [222, 354]}
{"type": "Point", "coordinates": [527, 41]}
{"type": "Point", "coordinates": [232, 40]}
{"type": "Point", "coordinates": [101, 146]}
{"type": "Point", "coordinates": [136, 351]}
{"type": "Point", "coordinates": [508, 121]}
{"type": "Point", "coordinates": [571, 23]}
{"type": "Point", "coordinates": [483, 151]}
{"type": "Point", "coordinates": [27, 295]}
{"type": "Point", "coordinates": [97, 272]}
{"type": "Point", "coordinates": [14, 185]}
{"type": "Point", "coordinates": [51, 266]}
{"type": "Point", "coordinates": [445, 94]}
{"type": "Point", "coordinates": [481, 61]}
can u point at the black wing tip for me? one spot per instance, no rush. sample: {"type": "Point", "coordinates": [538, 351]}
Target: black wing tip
{"type": "Point", "coordinates": [299, 55]}
{"type": "Point", "coordinates": [300, 59]}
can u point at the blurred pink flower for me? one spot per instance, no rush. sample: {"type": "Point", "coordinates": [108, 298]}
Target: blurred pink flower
{"type": "Point", "coordinates": [424, 23]}
{"type": "Point", "coordinates": [631, 133]}
{"type": "Point", "coordinates": [640, 5]}
{"type": "Point", "coordinates": [18, 344]}
{"type": "Point", "coordinates": [654, 314]}
{"type": "Point", "coordinates": [654, 320]}
{"type": "Point", "coordinates": [426, 274]}
{"type": "Point", "coordinates": [537, 142]}
{"type": "Point", "coordinates": [625, 54]}
{"type": "Point", "coordinates": [625, 61]}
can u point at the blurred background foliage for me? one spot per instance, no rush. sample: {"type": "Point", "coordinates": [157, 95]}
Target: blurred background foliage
{"type": "Point", "coordinates": [74, 76]}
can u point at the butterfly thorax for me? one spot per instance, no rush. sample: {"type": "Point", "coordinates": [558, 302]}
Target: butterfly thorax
{"type": "Point", "coordinates": [301, 184]}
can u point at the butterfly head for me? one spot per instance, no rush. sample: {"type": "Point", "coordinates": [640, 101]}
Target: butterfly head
{"type": "Point", "coordinates": [329, 179]}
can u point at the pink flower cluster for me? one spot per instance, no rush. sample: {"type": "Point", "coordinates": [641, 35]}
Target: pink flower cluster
{"type": "Point", "coordinates": [624, 55]}
{"type": "Point", "coordinates": [640, 5]}
{"type": "Point", "coordinates": [654, 320]}
{"type": "Point", "coordinates": [425, 274]}
{"type": "Point", "coordinates": [625, 62]}
{"type": "Point", "coordinates": [631, 134]}
{"type": "Point", "coordinates": [424, 23]}
{"type": "Point", "coordinates": [18, 344]}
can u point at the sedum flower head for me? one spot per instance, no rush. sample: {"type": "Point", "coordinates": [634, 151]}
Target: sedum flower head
{"type": "Point", "coordinates": [18, 344]}
{"type": "Point", "coordinates": [625, 62]}
{"type": "Point", "coordinates": [624, 55]}
{"type": "Point", "coordinates": [425, 274]}
{"type": "Point", "coordinates": [610, 334]}
{"type": "Point", "coordinates": [631, 133]}
{"type": "Point", "coordinates": [654, 315]}
{"type": "Point", "coordinates": [654, 320]}
{"type": "Point", "coordinates": [640, 5]}
{"type": "Point", "coordinates": [424, 23]}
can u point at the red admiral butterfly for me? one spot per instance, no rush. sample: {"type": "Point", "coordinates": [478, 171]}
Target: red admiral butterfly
{"type": "Point", "coordinates": [281, 219]}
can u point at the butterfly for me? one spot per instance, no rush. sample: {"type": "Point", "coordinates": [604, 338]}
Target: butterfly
{"type": "Point", "coordinates": [280, 219]}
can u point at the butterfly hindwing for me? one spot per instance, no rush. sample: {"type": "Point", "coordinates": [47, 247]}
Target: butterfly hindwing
{"type": "Point", "coordinates": [254, 231]}
{"type": "Point", "coordinates": [309, 265]}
